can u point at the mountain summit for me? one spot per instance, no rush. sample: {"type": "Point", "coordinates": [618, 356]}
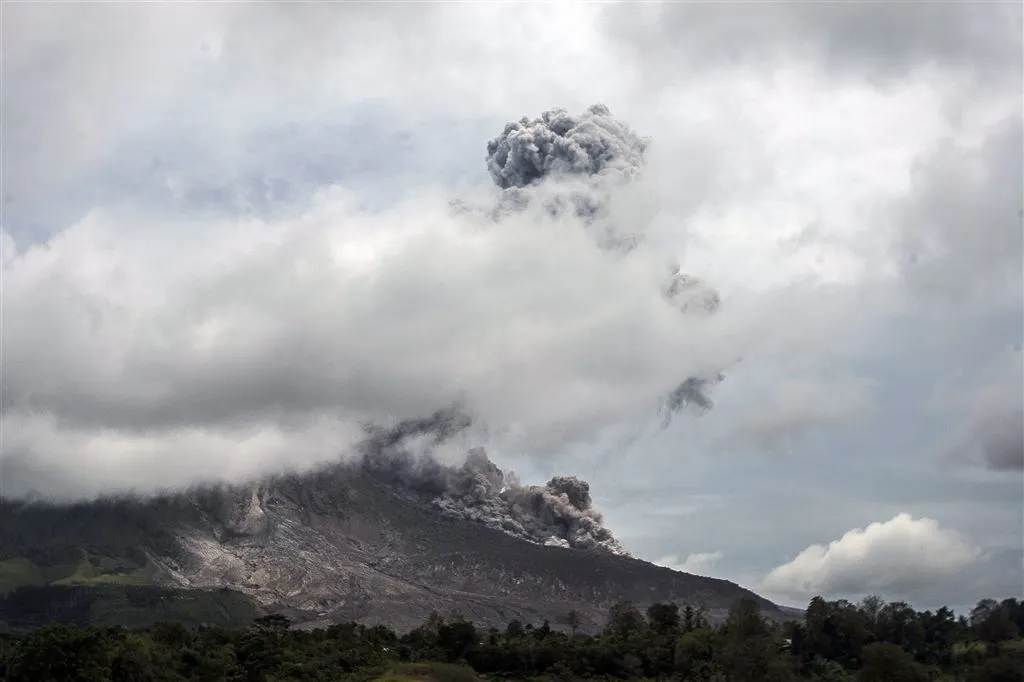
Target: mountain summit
{"type": "Point", "coordinates": [386, 538]}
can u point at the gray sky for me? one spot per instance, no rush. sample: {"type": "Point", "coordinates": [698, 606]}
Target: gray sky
{"type": "Point", "coordinates": [227, 239]}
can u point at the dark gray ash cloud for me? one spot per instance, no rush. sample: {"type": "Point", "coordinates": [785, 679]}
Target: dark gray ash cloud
{"type": "Point", "coordinates": [569, 165]}
{"type": "Point", "coordinates": [557, 143]}
{"type": "Point", "coordinates": [559, 513]}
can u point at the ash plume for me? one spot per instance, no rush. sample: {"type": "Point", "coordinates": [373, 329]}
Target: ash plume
{"type": "Point", "coordinates": [691, 392]}
{"type": "Point", "coordinates": [558, 144]}
{"type": "Point", "coordinates": [573, 165]}
{"type": "Point", "coordinates": [559, 513]}
{"type": "Point", "coordinates": [568, 165]}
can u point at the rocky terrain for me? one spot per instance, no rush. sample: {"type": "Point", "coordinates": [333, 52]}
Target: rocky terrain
{"type": "Point", "coordinates": [385, 538]}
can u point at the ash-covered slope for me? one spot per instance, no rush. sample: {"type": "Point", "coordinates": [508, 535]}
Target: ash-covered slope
{"type": "Point", "coordinates": [559, 513]}
{"type": "Point", "coordinates": [386, 538]}
{"type": "Point", "coordinates": [347, 543]}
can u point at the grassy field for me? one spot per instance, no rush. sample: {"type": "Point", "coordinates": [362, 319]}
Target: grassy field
{"type": "Point", "coordinates": [428, 672]}
{"type": "Point", "coordinates": [98, 570]}
{"type": "Point", "coordinates": [102, 590]}
{"type": "Point", "coordinates": [130, 606]}
{"type": "Point", "coordinates": [89, 570]}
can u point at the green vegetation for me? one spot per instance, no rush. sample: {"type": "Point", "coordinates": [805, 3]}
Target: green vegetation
{"type": "Point", "coordinates": [90, 569]}
{"type": "Point", "coordinates": [17, 573]}
{"type": "Point", "coordinates": [835, 642]}
{"type": "Point", "coordinates": [99, 570]}
{"type": "Point", "coordinates": [127, 605]}
{"type": "Point", "coordinates": [428, 672]}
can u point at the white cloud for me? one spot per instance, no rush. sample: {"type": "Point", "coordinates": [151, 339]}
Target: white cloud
{"type": "Point", "coordinates": [962, 236]}
{"type": "Point", "coordinates": [854, 40]}
{"type": "Point", "coordinates": [903, 557]}
{"type": "Point", "coordinates": [81, 79]}
{"type": "Point", "coordinates": [699, 563]}
{"type": "Point", "coordinates": [342, 315]}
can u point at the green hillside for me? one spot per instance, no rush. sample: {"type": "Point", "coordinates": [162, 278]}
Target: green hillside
{"type": "Point", "coordinates": [130, 606]}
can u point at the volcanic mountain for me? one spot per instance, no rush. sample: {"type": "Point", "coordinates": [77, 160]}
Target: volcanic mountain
{"type": "Point", "coordinates": [386, 537]}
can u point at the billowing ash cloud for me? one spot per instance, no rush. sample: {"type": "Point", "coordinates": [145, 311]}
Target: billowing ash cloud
{"type": "Point", "coordinates": [569, 165]}
{"type": "Point", "coordinates": [558, 144]}
{"type": "Point", "coordinates": [559, 513]}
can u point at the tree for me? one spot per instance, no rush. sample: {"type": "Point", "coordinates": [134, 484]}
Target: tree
{"type": "Point", "coordinates": [940, 633]}
{"type": "Point", "coordinates": [745, 620]}
{"type": "Point", "coordinates": [898, 623]}
{"type": "Point", "coordinates": [992, 623]}
{"type": "Point", "coordinates": [134, 662]}
{"type": "Point", "coordinates": [694, 652]}
{"type": "Point", "coordinates": [1001, 669]}
{"type": "Point", "coordinates": [749, 649]}
{"type": "Point", "coordinates": [693, 619]}
{"type": "Point", "coordinates": [664, 619]}
{"type": "Point", "coordinates": [574, 620]}
{"type": "Point", "coordinates": [543, 631]}
{"type": "Point", "coordinates": [63, 652]}
{"type": "Point", "coordinates": [515, 629]}
{"type": "Point", "coordinates": [624, 621]}
{"type": "Point", "coordinates": [1015, 609]}
{"type": "Point", "coordinates": [456, 638]}
{"type": "Point", "coordinates": [871, 606]}
{"type": "Point", "coordinates": [886, 662]}
{"type": "Point", "coordinates": [272, 624]}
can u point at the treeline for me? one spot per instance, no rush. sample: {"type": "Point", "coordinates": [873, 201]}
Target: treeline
{"type": "Point", "coordinates": [872, 641]}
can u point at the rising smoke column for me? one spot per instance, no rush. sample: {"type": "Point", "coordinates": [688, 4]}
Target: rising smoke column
{"type": "Point", "coordinates": [575, 164]}
{"type": "Point", "coordinates": [568, 165]}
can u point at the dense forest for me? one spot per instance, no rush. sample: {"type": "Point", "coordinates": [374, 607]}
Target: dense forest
{"type": "Point", "coordinates": [872, 641]}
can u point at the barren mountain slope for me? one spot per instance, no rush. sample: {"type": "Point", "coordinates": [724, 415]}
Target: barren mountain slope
{"type": "Point", "coordinates": [347, 543]}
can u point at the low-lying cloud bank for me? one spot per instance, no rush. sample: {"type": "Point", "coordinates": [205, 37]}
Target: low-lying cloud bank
{"type": "Point", "coordinates": [164, 354]}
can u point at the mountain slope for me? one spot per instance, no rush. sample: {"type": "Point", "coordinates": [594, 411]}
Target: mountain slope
{"type": "Point", "coordinates": [345, 543]}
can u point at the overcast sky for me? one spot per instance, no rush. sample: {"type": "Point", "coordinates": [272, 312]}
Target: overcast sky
{"type": "Point", "coordinates": [228, 238]}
